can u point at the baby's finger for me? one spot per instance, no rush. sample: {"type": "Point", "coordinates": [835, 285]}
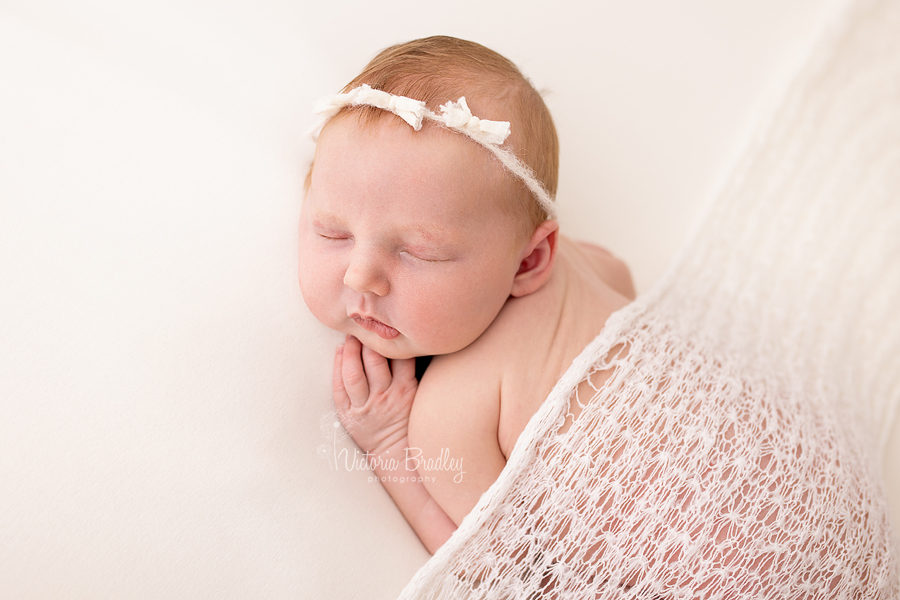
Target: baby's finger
{"type": "Point", "coordinates": [404, 369]}
{"type": "Point", "coordinates": [341, 399]}
{"type": "Point", "coordinates": [353, 374]}
{"type": "Point", "coordinates": [378, 371]}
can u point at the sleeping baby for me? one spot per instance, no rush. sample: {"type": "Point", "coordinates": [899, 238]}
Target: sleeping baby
{"type": "Point", "coordinates": [428, 230]}
{"type": "Point", "coordinates": [666, 451]}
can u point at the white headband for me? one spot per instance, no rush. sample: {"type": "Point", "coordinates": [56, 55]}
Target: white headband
{"type": "Point", "coordinates": [454, 115]}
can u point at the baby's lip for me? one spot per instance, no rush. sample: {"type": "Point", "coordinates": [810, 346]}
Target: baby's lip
{"type": "Point", "coordinates": [375, 326]}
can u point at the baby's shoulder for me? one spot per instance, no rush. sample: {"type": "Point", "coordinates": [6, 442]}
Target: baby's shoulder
{"type": "Point", "coordinates": [454, 420]}
{"type": "Point", "coordinates": [473, 372]}
{"type": "Point", "coordinates": [501, 378]}
{"type": "Point", "coordinates": [594, 262]}
{"type": "Point", "coordinates": [459, 394]}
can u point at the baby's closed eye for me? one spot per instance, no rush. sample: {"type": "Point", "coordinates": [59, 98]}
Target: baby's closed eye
{"type": "Point", "coordinates": [329, 228]}
{"type": "Point", "coordinates": [423, 257]}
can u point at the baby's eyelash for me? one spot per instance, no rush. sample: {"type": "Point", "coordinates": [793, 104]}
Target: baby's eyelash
{"type": "Point", "coordinates": [334, 238]}
{"type": "Point", "coordinates": [420, 259]}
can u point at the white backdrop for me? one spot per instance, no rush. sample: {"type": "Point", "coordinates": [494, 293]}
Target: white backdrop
{"type": "Point", "coordinates": [164, 395]}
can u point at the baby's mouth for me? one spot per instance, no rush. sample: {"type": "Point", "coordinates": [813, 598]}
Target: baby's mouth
{"type": "Point", "coordinates": [375, 326]}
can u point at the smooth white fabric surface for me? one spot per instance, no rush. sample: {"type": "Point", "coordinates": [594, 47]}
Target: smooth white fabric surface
{"type": "Point", "coordinates": [163, 392]}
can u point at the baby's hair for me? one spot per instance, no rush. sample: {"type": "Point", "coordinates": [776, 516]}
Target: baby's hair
{"type": "Point", "coordinates": [439, 69]}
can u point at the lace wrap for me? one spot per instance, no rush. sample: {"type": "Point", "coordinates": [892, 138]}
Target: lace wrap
{"type": "Point", "coordinates": [683, 476]}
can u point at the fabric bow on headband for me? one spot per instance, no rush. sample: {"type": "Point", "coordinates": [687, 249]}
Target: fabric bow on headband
{"type": "Point", "coordinates": [453, 115]}
{"type": "Point", "coordinates": [411, 111]}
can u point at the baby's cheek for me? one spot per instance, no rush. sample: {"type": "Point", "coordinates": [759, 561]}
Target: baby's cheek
{"type": "Point", "coordinates": [446, 324]}
{"type": "Point", "coordinates": [317, 295]}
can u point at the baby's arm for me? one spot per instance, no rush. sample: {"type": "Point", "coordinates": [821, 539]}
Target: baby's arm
{"type": "Point", "coordinates": [373, 399]}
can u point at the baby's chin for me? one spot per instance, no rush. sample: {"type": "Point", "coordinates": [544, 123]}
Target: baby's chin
{"type": "Point", "coordinates": [399, 347]}
{"type": "Point", "coordinates": [395, 349]}
{"type": "Point", "coordinates": [400, 355]}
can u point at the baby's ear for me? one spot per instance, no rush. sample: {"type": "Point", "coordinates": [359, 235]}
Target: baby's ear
{"type": "Point", "coordinates": [536, 260]}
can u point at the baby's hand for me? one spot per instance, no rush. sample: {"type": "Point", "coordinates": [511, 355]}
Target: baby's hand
{"type": "Point", "coordinates": [373, 397]}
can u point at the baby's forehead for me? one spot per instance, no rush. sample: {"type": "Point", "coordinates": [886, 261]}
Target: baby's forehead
{"type": "Point", "coordinates": [384, 158]}
{"type": "Point", "coordinates": [351, 142]}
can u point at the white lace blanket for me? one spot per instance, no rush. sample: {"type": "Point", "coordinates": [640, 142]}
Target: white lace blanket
{"type": "Point", "coordinates": [734, 451]}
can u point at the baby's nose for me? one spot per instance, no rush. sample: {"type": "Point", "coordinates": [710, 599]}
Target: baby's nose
{"type": "Point", "coordinates": [365, 275]}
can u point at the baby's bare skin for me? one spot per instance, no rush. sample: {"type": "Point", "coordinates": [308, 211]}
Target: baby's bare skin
{"type": "Point", "coordinates": [473, 405]}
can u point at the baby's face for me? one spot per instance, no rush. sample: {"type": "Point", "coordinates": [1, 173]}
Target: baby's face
{"type": "Point", "coordinates": [403, 240]}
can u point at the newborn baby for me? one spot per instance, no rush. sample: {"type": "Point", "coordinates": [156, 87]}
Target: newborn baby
{"type": "Point", "coordinates": [428, 230]}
